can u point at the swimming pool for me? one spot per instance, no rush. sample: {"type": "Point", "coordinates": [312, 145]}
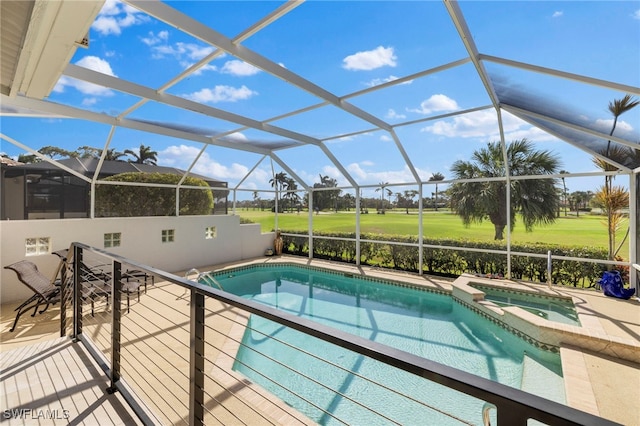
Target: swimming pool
{"type": "Point", "coordinates": [551, 308]}
{"type": "Point", "coordinates": [425, 323]}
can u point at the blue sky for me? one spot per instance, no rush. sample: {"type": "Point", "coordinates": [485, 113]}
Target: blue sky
{"type": "Point", "coordinates": [345, 47]}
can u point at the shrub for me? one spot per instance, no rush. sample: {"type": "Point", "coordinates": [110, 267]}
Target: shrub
{"type": "Point", "coordinates": [440, 260]}
{"type": "Point", "coordinates": [128, 201]}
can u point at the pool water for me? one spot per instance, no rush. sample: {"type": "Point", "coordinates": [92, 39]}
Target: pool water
{"type": "Point", "coordinates": [424, 323]}
{"type": "Point", "coordinates": [548, 307]}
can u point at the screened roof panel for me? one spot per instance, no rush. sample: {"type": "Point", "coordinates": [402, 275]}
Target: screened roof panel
{"type": "Point", "coordinates": [436, 93]}
{"type": "Point", "coordinates": [343, 57]}
{"type": "Point", "coordinates": [324, 122]}
{"type": "Point", "coordinates": [600, 39]}
{"type": "Point", "coordinates": [64, 133]}
{"type": "Point", "coordinates": [277, 76]}
{"type": "Point", "coordinates": [371, 158]}
{"type": "Point", "coordinates": [224, 164]}
{"type": "Point", "coordinates": [234, 85]}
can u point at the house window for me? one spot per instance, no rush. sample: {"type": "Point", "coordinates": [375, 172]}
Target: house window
{"type": "Point", "coordinates": [112, 239]}
{"type": "Point", "coordinates": [210, 232]}
{"type": "Point", "coordinates": [168, 235]}
{"type": "Point", "coordinates": [37, 246]}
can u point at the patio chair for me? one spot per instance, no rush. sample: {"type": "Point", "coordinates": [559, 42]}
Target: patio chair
{"type": "Point", "coordinates": [100, 280]}
{"type": "Point", "coordinates": [44, 290]}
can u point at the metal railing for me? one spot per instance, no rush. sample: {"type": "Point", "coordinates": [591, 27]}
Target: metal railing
{"type": "Point", "coordinates": [176, 363]}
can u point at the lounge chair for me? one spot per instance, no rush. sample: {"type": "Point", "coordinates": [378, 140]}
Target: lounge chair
{"type": "Point", "coordinates": [45, 291]}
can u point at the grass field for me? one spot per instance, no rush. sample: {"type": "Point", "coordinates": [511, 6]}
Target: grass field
{"type": "Point", "coordinates": [586, 230]}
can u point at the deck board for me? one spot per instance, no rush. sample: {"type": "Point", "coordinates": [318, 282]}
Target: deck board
{"type": "Point", "coordinates": [57, 381]}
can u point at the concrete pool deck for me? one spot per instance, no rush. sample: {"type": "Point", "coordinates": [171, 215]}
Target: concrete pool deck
{"type": "Point", "coordinates": [602, 385]}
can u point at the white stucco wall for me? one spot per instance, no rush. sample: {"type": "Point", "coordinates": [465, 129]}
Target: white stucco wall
{"type": "Point", "coordinates": [141, 241]}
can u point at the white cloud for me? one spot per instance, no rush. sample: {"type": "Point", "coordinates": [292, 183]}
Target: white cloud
{"type": "Point", "coordinates": [115, 16]}
{"type": "Point", "coordinates": [181, 50]}
{"type": "Point", "coordinates": [93, 63]}
{"type": "Point", "coordinates": [636, 14]}
{"type": "Point", "coordinates": [483, 125]}
{"type": "Point", "coordinates": [89, 101]}
{"type": "Point", "coordinates": [199, 71]}
{"type": "Point", "coordinates": [239, 68]}
{"type": "Point", "coordinates": [181, 156]}
{"type": "Point", "coordinates": [371, 59]}
{"type": "Point", "coordinates": [379, 81]}
{"type": "Point", "coordinates": [221, 94]}
{"type": "Point", "coordinates": [238, 137]}
{"type": "Point", "coordinates": [622, 127]}
{"type": "Point", "coordinates": [359, 171]}
{"type": "Point", "coordinates": [557, 14]}
{"type": "Point", "coordinates": [436, 103]}
{"type": "Point", "coordinates": [153, 39]}
{"type": "Point", "coordinates": [393, 114]}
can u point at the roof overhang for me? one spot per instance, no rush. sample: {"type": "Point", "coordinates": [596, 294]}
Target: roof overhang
{"type": "Point", "coordinates": [39, 38]}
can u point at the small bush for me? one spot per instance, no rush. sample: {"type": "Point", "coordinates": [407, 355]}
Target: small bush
{"type": "Point", "coordinates": [439, 260]}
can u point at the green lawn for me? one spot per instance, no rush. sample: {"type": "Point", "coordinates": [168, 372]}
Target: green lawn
{"type": "Point", "coordinates": [587, 230]}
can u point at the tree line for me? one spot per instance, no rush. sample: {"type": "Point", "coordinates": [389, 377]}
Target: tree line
{"type": "Point", "coordinates": [144, 154]}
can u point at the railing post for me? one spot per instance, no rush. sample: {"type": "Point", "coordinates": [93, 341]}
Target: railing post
{"type": "Point", "coordinates": [196, 360]}
{"type": "Point", "coordinates": [77, 292]}
{"type": "Point", "coordinates": [116, 312]}
{"type": "Point", "coordinates": [63, 298]}
{"type": "Point", "coordinates": [549, 269]}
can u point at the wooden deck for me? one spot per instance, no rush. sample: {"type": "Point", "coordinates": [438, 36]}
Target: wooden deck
{"type": "Point", "coordinates": [57, 381]}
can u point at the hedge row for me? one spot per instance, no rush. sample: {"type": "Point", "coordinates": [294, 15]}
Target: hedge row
{"type": "Point", "coordinates": [438, 260]}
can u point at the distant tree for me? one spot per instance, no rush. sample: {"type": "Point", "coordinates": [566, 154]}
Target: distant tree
{"type": "Point", "coordinates": [349, 201]}
{"type": "Point", "coordinates": [437, 176]}
{"type": "Point", "coordinates": [535, 199]}
{"type": "Point", "coordinates": [579, 200]}
{"type": "Point", "coordinates": [278, 182]}
{"type": "Point", "coordinates": [291, 186]}
{"type": "Point", "coordinates": [96, 153]}
{"type": "Point", "coordinates": [53, 152]}
{"type": "Point", "coordinates": [564, 190]}
{"type": "Point", "coordinates": [56, 152]}
{"type": "Point", "coordinates": [327, 199]}
{"type": "Point", "coordinates": [144, 155]}
{"type": "Point", "coordinates": [256, 199]}
{"type": "Point", "coordinates": [89, 152]}
{"type": "Point", "coordinates": [28, 158]}
{"type": "Point", "coordinates": [382, 186]}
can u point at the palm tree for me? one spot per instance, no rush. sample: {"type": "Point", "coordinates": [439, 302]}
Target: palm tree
{"type": "Point", "coordinates": [143, 156]}
{"type": "Point", "coordinates": [278, 182]}
{"type": "Point", "coordinates": [291, 187]}
{"type": "Point", "coordinates": [618, 107]}
{"type": "Point", "coordinates": [437, 176]}
{"type": "Point", "coordinates": [113, 155]}
{"type": "Point", "coordinates": [612, 201]}
{"type": "Point", "coordinates": [535, 199]}
{"type": "Point", "coordinates": [382, 186]}
{"type": "Point", "coordinates": [564, 192]}
{"type": "Point", "coordinates": [256, 199]}
{"type": "Point", "coordinates": [607, 193]}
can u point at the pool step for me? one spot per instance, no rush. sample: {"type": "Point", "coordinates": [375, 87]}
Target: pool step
{"type": "Point", "coordinates": [539, 380]}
